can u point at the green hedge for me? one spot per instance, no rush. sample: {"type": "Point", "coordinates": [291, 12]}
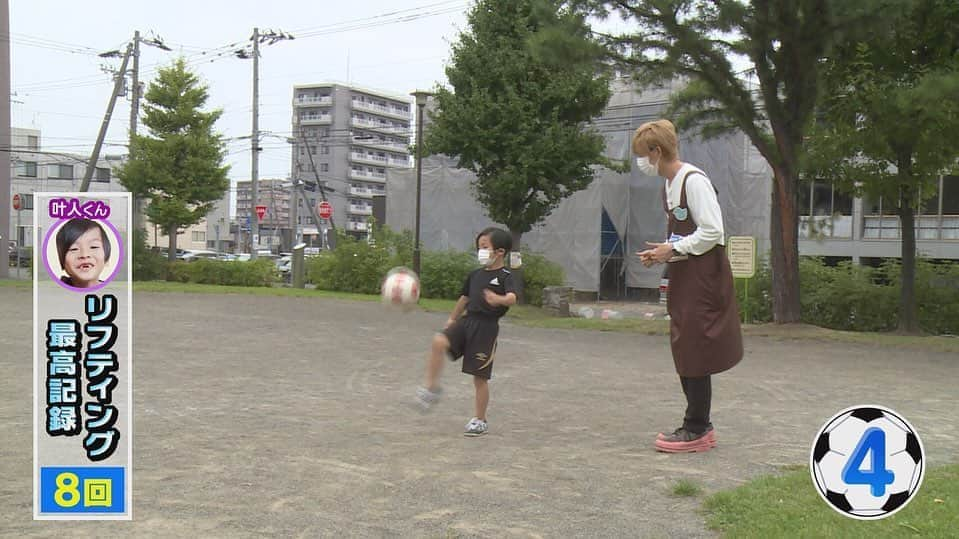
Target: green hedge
{"type": "Point", "coordinates": [147, 265]}
{"type": "Point", "coordinates": [359, 266]}
{"type": "Point", "coordinates": [260, 272]}
{"type": "Point", "coordinates": [445, 272]}
{"type": "Point", "coordinates": [861, 298]}
{"type": "Point", "coordinates": [538, 273]}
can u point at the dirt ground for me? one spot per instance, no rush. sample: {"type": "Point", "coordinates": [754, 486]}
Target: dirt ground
{"type": "Point", "coordinates": [262, 416]}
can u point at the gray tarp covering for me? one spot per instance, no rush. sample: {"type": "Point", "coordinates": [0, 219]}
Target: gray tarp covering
{"type": "Point", "coordinates": [570, 236]}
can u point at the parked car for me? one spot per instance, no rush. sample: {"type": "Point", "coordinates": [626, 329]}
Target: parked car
{"type": "Point", "coordinates": [26, 254]}
{"type": "Point", "coordinates": [193, 256]}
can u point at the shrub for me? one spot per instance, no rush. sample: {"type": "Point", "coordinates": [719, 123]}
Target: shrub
{"type": "Point", "coordinates": [860, 298]}
{"type": "Point", "coordinates": [538, 273]}
{"type": "Point", "coordinates": [260, 272]}
{"type": "Point", "coordinates": [360, 265]}
{"type": "Point", "coordinates": [444, 273]}
{"type": "Point", "coordinates": [147, 265]}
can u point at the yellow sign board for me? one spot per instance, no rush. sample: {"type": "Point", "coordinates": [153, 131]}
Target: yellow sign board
{"type": "Point", "coordinates": [742, 256]}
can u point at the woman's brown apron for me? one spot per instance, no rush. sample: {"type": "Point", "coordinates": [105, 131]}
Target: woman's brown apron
{"type": "Point", "coordinates": [704, 328]}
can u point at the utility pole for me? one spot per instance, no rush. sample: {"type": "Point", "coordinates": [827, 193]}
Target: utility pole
{"type": "Point", "coordinates": [255, 139]}
{"type": "Point", "coordinates": [269, 37]}
{"type": "Point", "coordinates": [117, 86]}
{"type": "Point", "coordinates": [138, 221]}
{"type": "Point", "coordinates": [316, 175]}
{"type": "Point", "coordinates": [295, 212]}
{"type": "Point", "coordinates": [5, 141]}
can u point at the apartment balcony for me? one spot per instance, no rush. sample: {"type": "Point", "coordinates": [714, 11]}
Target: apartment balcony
{"type": "Point", "coordinates": [367, 176]}
{"type": "Point", "coordinates": [361, 209]}
{"type": "Point", "coordinates": [381, 145]}
{"type": "Point", "coordinates": [379, 127]}
{"type": "Point", "coordinates": [313, 101]}
{"type": "Point", "coordinates": [383, 111]}
{"type": "Point", "coordinates": [356, 227]}
{"type": "Point", "coordinates": [399, 163]}
{"type": "Point", "coordinates": [369, 159]}
{"type": "Point", "coordinates": [317, 119]}
{"type": "Point", "coordinates": [362, 192]}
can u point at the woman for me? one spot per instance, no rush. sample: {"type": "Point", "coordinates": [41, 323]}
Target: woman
{"type": "Point", "coordinates": [704, 326]}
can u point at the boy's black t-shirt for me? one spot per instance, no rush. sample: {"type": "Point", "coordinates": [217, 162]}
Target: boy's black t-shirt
{"type": "Point", "coordinates": [499, 281]}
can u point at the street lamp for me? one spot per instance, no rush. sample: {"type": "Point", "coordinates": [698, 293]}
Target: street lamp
{"type": "Point", "coordinates": [421, 97]}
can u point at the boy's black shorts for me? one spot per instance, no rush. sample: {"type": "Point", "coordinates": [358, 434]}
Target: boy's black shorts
{"type": "Point", "coordinates": [474, 339]}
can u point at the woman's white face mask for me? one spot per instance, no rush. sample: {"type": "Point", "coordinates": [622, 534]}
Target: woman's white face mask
{"type": "Point", "coordinates": [647, 167]}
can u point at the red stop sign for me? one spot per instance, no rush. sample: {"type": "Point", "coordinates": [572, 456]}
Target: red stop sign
{"type": "Point", "coordinates": [16, 201]}
{"type": "Point", "coordinates": [324, 209]}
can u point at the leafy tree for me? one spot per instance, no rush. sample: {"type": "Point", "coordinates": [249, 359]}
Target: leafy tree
{"type": "Point", "coordinates": [516, 118]}
{"type": "Point", "coordinates": [783, 41]}
{"type": "Point", "coordinates": [178, 166]}
{"type": "Point", "coordinates": [888, 121]}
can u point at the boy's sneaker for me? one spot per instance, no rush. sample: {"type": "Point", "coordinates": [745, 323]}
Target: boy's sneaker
{"type": "Point", "coordinates": [476, 427]}
{"type": "Point", "coordinates": [426, 398]}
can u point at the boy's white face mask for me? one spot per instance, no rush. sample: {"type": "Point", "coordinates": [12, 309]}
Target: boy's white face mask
{"type": "Point", "coordinates": [484, 256]}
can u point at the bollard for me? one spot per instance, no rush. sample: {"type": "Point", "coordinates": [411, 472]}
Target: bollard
{"type": "Point", "coordinates": [299, 263]}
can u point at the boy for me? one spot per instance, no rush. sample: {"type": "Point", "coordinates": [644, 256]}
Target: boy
{"type": "Point", "coordinates": [487, 294]}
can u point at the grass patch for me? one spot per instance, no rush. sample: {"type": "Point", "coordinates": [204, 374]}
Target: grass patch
{"type": "Point", "coordinates": [809, 332]}
{"type": "Point", "coordinates": [193, 288]}
{"type": "Point", "coordinates": [14, 283]}
{"type": "Point", "coordinates": [686, 489]}
{"type": "Point", "coordinates": [788, 506]}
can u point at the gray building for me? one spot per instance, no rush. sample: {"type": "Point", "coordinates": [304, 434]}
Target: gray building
{"type": "Point", "coordinates": [347, 137]}
{"type": "Point", "coordinates": [839, 226]}
{"type": "Point", "coordinates": [37, 170]}
{"type": "Point", "coordinates": [275, 227]}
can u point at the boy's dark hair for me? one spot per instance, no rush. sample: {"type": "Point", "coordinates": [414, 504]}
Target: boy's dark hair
{"type": "Point", "coordinates": [70, 232]}
{"type": "Point", "coordinates": [498, 238]}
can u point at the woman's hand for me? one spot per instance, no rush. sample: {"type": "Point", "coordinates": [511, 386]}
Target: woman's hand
{"type": "Point", "coordinates": [658, 253]}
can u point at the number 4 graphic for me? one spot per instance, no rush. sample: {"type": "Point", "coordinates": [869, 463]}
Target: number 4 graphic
{"type": "Point", "coordinates": [873, 444]}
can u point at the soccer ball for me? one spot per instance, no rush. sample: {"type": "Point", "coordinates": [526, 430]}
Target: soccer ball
{"type": "Point", "coordinates": [867, 462]}
{"type": "Point", "coordinates": [401, 287]}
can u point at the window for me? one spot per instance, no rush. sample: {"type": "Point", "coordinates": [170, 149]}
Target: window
{"type": "Point", "coordinates": [805, 192]}
{"type": "Point", "coordinates": [930, 206]}
{"type": "Point", "coordinates": [324, 167]}
{"type": "Point", "coordinates": [61, 172]}
{"type": "Point", "coordinates": [326, 150]}
{"type": "Point", "coordinates": [27, 169]}
{"type": "Point", "coordinates": [821, 198]}
{"type": "Point", "coordinates": [102, 174]}
{"type": "Point", "coordinates": [950, 195]}
{"type": "Point", "coordinates": [824, 210]}
{"type": "Point", "coordinates": [33, 142]}
{"type": "Point", "coordinates": [199, 236]}
{"type": "Point", "coordinates": [841, 203]}
{"type": "Point", "coordinates": [313, 150]}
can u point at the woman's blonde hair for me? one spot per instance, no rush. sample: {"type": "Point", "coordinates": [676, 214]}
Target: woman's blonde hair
{"type": "Point", "coordinates": [661, 133]}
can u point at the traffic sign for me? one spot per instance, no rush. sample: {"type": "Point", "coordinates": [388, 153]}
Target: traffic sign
{"type": "Point", "coordinates": [17, 204]}
{"type": "Point", "coordinates": [260, 211]}
{"type": "Point", "coordinates": [324, 209]}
